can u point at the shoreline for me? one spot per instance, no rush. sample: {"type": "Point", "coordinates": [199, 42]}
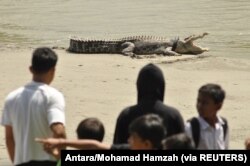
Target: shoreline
{"type": "Point", "coordinates": [101, 85]}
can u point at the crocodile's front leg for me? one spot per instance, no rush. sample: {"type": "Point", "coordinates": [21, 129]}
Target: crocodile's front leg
{"type": "Point", "coordinates": [128, 48]}
{"type": "Point", "coordinates": [169, 52]}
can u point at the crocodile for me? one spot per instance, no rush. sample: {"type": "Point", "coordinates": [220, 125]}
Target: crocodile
{"type": "Point", "coordinates": [138, 45]}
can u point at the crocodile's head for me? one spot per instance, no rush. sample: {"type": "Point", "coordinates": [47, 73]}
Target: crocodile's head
{"type": "Point", "coordinates": [187, 46]}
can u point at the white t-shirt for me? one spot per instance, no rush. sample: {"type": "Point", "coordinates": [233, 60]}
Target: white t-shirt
{"type": "Point", "coordinates": [30, 110]}
{"type": "Point", "coordinates": [210, 138]}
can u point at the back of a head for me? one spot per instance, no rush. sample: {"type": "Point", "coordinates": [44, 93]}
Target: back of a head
{"type": "Point", "coordinates": [151, 83]}
{"type": "Point", "coordinates": [91, 128]}
{"type": "Point", "coordinates": [214, 91]}
{"type": "Point", "coordinates": [149, 127]}
{"type": "Point", "coordinates": [43, 59]}
{"type": "Point", "coordinates": [178, 142]}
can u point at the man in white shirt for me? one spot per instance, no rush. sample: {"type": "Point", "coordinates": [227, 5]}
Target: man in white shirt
{"type": "Point", "coordinates": [34, 110]}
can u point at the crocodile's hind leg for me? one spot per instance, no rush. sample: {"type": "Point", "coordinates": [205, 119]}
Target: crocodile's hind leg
{"type": "Point", "coordinates": [159, 51]}
{"type": "Point", "coordinates": [128, 48]}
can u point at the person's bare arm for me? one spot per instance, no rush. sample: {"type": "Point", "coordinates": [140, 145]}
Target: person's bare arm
{"type": "Point", "coordinates": [85, 144]}
{"type": "Point", "coordinates": [10, 142]}
{"type": "Point", "coordinates": [58, 130]}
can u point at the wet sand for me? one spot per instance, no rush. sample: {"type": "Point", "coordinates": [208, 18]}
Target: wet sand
{"type": "Point", "coordinates": [102, 85]}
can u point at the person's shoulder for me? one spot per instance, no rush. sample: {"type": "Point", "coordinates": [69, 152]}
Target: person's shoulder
{"type": "Point", "coordinates": [170, 112]}
{"type": "Point", "coordinates": [52, 94]}
{"type": "Point", "coordinates": [52, 91]}
{"type": "Point", "coordinates": [14, 93]}
{"type": "Point", "coordinates": [222, 120]}
{"type": "Point", "coordinates": [127, 110]}
{"type": "Point", "coordinates": [127, 113]}
{"type": "Point", "coordinates": [171, 109]}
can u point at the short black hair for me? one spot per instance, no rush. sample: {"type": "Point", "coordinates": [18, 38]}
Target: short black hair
{"type": "Point", "coordinates": [43, 59]}
{"type": "Point", "coordinates": [149, 127]}
{"type": "Point", "coordinates": [178, 142]}
{"type": "Point", "coordinates": [90, 128]}
{"type": "Point", "coordinates": [214, 91]}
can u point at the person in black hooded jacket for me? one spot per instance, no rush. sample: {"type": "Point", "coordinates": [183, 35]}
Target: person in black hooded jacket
{"type": "Point", "coordinates": [150, 88]}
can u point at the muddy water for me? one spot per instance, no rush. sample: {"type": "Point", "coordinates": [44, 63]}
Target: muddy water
{"type": "Point", "coordinates": [29, 23]}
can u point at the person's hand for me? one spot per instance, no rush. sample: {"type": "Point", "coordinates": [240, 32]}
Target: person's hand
{"type": "Point", "coordinates": [247, 144]}
{"type": "Point", "coordinates": [49, 142]}
{"type": "Point", "coordinates": [53, 151]}
{"type": "Point", "coordinates": [51, 146]}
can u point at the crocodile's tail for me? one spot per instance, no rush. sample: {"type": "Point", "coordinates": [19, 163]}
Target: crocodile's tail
{"type": "Point", "coordinates": [94, 46]}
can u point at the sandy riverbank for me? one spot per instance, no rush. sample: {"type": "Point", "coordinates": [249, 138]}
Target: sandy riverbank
{"type": "Point", "coordinates": [102, 85]}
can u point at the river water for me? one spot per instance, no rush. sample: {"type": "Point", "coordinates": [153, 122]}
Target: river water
{"type": "Point", "coordinates": [31, 23]}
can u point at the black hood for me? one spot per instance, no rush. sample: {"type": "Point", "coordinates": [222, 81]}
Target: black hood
{"type": "Point", "coordinates": [150, 83]}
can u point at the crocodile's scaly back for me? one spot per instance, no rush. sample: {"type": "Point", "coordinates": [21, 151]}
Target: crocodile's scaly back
{"type": "Point", "coordinates": [144, 38]}
{"type": "Point", "coordinates": [112, 46]}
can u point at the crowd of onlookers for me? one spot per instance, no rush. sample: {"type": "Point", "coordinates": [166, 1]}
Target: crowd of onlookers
{"type": "Point", "coordinates": [34, 119]}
